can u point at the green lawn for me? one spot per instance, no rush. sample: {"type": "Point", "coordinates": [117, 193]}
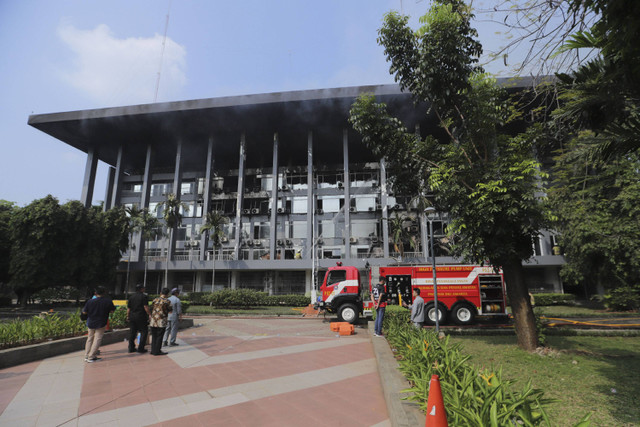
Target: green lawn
{"type": "Point", "coordinates": [576, 311]}
{"type": "Point", "coordinates": [597, 374]}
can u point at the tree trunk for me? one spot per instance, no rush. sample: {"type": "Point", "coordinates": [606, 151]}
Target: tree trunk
{"type": "Point", "coordinates": [525, 322]}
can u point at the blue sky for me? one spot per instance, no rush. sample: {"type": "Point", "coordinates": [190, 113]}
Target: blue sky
{"type": "Point", "coordinates": [79, 54]}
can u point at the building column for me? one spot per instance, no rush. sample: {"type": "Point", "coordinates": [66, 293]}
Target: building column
{"type": "Point", "coordinates": [385, 208]}
{"type": "Point", "coordinates": [147, 178]}
{"type": "Point", "coordinates": [89, 178]}
{"type": "Point", "coordinates": [273, 222]}
{"type": "Point", "coordinates": [240, 197]}
{"type": "Point", "coordinates": [234, 279]}
{"type": "Point", "coordinates": [311, 206]}
{"type": "Point", "coordinates": [117, 181]}
{"type": "Point", "coordinates": [108, 193]}
{"type": "Point", "coordinates": [206, 199]}
{"type": "Point", "coordinates": [347, 195]}
{"type": "Point", "coordinates": [177, 190]}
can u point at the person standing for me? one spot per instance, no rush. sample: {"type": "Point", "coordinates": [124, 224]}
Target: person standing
{"type": "Point", "coordinates": [138, 318]}
{"type": "Point", "coordinates": [379, 298]}
{"type": "Point", "coordinates": [174, 319]}
{"type": "Point", "coordinates": [97, 311]}
{"type": "Point", "coordinates": [417, 309]}
{"type": "Point", "coordinates": [160, 309]}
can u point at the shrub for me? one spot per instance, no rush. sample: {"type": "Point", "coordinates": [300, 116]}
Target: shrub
{"type": "Point", "coordinates": [474, 396]}
{"type": "Point", "coordinates": [118, 319]}
{"type": "Point", "coordinates": [623, 298]}
{"type": "Point", "coordinates": [288, 300]}
{"type": "Point", "coordinates": [39, 328]}
{"type": "Point", "coordinates": [235, 298]}
{"type": "Point", "coordinates": [554, 299]}
{"type": "Point", "coordinates": [198, 298]}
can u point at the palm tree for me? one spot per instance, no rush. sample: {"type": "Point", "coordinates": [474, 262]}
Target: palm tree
{"type": "Point", "coordinates": [150, 230]}
{"type": "Point", "coordinates": [399, 233]}
{"type": "Point", "coordinates": [134, 213]}
{"type": "Point", "coordinates": [172, 219]}
{"type": "Point", "coordinates": [213, 227]}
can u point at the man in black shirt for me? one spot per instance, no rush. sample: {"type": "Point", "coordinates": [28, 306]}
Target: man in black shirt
{"type": "Point", "coordinates": [138, 318]}
{"type": "Point", "coordinates": [97, 311]}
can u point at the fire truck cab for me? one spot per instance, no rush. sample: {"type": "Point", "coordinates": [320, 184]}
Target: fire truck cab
{"type": "Point", "coordinates": [341, 293]}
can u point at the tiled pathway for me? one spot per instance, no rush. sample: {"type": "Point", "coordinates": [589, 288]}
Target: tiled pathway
{"type": "Point", "coordinates": [232, 372]}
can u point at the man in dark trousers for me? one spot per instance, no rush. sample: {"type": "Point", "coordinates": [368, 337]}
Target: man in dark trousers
{"type": "Point", "coordinates": [379, 298]}
{"type": "Point", "coordinates": [160, 309]}
{"type": "Point", "coordinates": [97, 311]}
{"type": "Point", "coordinates": [417, 309]}
{"type": "Point", "coordinates": [138, 317]}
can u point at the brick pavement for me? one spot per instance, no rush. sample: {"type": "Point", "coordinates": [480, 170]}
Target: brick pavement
{"type": "Point", "coordinates": [226, 371]}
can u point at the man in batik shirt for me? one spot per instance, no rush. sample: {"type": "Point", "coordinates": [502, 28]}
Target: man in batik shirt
{"type": "Point", "coordinates": [160, 309]}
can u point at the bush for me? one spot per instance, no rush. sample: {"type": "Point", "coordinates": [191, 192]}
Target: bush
{"type": "Point", "coordinates": [246, 298]}
{"type": "Point", "coordinates": [624, 298]}
{"type": "Point", "coordinates": [198, 298]}
{"type": "Point", "coordinates": [40, 328]}
{"type": "Point", "coordinates": [474, 396]}
{"type": "Point", "coordinates": [554, 299]}
{"type": "Point", "coordinates": [288, 300]}
{"type": "Point", "coordinates": [118, 319]}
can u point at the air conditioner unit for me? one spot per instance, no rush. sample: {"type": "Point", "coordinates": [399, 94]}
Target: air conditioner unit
{"type": "Point", "coordinates": [319, 211]}
{"type": "Point", "coordinates": [285, 187]}
{"type": "Point", "coordinates": [378, 207]}
{"type": "Point", "coordinates": [289, 242]}
{"type": "Point", "coordinates": [320, 242]}
{"type": "Point", "coordinates": [280, 242]}
{"type": "Point", "coordinates": [257, 243]}
{"type": "Point", "coordinates": [255, 211]}
{"type": "Point", "coordinates": [256, 189]}
{"type": "Point", "coordinates": [371, 208]}
{"type": "Point", "coordinates": [281, 210]}
{"type": "Point", "coordinates": [340, 184]}
{"type": "Point", "coordinates": [353, 240]}
{"type": "Point", "coordinates": [398, 207]}
{"type": "Point", "coordinates": [246, 211]}
{"type": "Point", "coordinates": [374, 239]}
{"type": "Point", "coordinates": [224, 239]}
{"type": "Point", "coordinates": [352, 209]}
{"type": "Point", "coordinates": [249, 242]}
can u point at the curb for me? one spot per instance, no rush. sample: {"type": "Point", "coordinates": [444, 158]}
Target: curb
{"type": "Point", "coordinates": [34, 352]}
{"type": "Point", "coordinates": [402, 413]}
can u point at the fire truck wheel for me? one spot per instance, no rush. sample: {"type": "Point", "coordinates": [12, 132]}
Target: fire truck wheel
{"type": "Point", "coordinates": [348, 313]}
{"type": "Point", "coordinates": [463, 314]}
{"type": "Point", "coordinates": [430, 318]}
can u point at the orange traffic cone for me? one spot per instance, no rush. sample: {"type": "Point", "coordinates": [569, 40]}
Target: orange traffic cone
{"type": "Point", "coordinates": [436, 415]}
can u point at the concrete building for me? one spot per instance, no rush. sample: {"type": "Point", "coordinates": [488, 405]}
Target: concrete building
{"type": "Point", "coordinates": [300, 189]}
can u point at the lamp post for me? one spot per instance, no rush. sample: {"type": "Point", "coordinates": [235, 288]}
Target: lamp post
{"type": "Point", "coordinates": [428, 211]}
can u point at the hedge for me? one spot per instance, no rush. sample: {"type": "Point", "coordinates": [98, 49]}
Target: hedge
{"type": "Point", "coordinates": [246, 298]}
{"type": "Point", "coordinates": [553, 299]}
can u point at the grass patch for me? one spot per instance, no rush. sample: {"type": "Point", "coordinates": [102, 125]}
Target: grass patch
{"type": "Point", "coordinates": [248, 311]}
{"type": "Point", "coordinates": [598, 374]}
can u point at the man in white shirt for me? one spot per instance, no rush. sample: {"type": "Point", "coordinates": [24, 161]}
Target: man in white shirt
{"type": "Point", "coordinates": [174, 319]}
{"type": "Point", "coordinates": [417, 309]}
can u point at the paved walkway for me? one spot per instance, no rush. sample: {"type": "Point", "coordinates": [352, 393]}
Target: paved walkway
{"type": "Point", "coordinates": [240, 372]}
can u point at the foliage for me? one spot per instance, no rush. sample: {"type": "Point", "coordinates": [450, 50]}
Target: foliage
{"type": "Point", "coordinates": [475, 397]}
{"type": "Point", "coordinates": [597, 216]}
{"type": "Point", "coordinates": [213, 226]}
{"type": "Point", "coordinates": [118, 319]}
{"type": "Point", "coordinates": [48, 295]}
{"type": "Point", "coordinates": [172, 209]}
{"type": "Point", "coordinates": [485, 178]}
{"type": "Point", "coordinates": [6, 211]}
{"type": "Point", "coordinates": [553, 299]}
{"type": "Point", "coordinates": [39, 328]}
{"type": "Point", "coordinates": [246, 298]}
{"type": "Point", "coordinates": [64, 245]}
{"type": "Point", "coordinates": [623, 298]}
{"type": "Point", "coordinates": [541, 325]}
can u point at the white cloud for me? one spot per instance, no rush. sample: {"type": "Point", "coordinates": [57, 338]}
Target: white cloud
{"type": "Point", "coordinates": [122, 71]}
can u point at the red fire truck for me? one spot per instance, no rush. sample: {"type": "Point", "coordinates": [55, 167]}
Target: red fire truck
{"type": "Point", "coordinates": [464, 291]}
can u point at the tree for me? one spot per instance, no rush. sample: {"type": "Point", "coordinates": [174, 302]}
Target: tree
{"type": "Point", "coordinates": [149, 228]}
{"type": "Point", "coordinates": [484, 177]}
{"type": "Point", "coordinates": [172, 216]}
{"type": "Point", "coordinates": [213, 226]}
{"type": "Point", "coordinates": [399, 234]}
{"type": "Point", "coordinates": [38, 258]}
{"type": "Point", "coordinates": [7, 210]}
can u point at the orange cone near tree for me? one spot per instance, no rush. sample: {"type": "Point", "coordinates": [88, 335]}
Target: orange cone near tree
{"type": "Point", "coordinates": [436, 415]}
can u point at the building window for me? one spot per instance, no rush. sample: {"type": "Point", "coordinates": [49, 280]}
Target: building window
{"type": "Point", "coordinates": [161, 189]}
{"type": "Point", "coordinates": [299, 205]}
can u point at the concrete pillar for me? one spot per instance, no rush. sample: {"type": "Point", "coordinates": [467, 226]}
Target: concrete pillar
{"type": "Point", "coordinates": [385, 209]}
{"type": "Point", "coordinates": [273, 222]}
{"type": "Point", "coordinates": [311, 206]}
{"type": "Point", "coordinates": [177, 190]}
{"type": "Point", "coordinates": [145, 196]}
{"type": "Point", "coordinates": [234, 279]}
{"type": "Point", "coordinates": [89, 178]}
{"type": "Point", "coordinates": [117, 181]}
{"type": "Point", "coordinates": [240, 197]}
{"type": "Point", "coordinates": [347, 195]}
{"type": "Point", "coordinates": [108, 193]}
{"type": "Point", "coordinates": [206, 198]}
